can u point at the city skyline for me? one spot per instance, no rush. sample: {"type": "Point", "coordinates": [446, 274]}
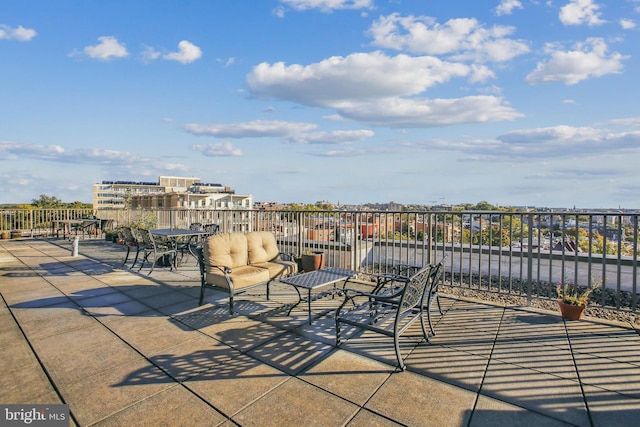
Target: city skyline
{"type": "Point", "coordinates": [513, 102]}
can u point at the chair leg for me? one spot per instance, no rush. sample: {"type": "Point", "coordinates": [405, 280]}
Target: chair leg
{"type": "Point", "coordinates": [153, 264]}
{"type": "Point", "coordinates": [396, 343]}
{"type": "Point", "coordinates": [144, 259]}
{"type": "Point", "coordinates": [202, 286]}
{"type": "Point", "coordinates": [136, 258]}
{"type": "Point", "coordinates": [127, 256]}
{"type": "Point", "coordinates": [423, 326]}
{"type": "Point", "coordinates": [429, 302]}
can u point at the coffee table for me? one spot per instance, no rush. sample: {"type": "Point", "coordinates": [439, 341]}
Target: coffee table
{"type": "Point", "coordinates": [315, 280]}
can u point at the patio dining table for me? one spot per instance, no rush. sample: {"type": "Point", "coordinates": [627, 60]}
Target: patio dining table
{"type": "Point", "coordinates": [175, 234]}
{"type": "Point", "coordinates": [66, 225]}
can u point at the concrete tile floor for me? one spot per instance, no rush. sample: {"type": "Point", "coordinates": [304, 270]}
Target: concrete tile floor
{"type": "Point", "coordinates": [124, 348]}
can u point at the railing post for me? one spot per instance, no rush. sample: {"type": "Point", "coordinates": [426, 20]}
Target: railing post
{"type": "Point", "coordinates": [433, 229]}
{"type": "Point", "coordinates": [529, 258]}
{"type": "Point", "coordinates": [300, 215]}
{"type": "Point", "coordinates": [357, 242]}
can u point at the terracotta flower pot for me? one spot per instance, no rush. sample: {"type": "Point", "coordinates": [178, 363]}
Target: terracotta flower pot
{"type": "Point", "coordinates": [314, 261]}
{"type": "Point", "coordinates": [570, 311]}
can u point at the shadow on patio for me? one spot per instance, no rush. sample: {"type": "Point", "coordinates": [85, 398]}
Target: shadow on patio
{"type": "Point", "coordinates": [121, 348]}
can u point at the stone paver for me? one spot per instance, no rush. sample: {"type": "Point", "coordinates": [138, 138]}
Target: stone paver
{"type": "Point", "coordinates": [123, 348]}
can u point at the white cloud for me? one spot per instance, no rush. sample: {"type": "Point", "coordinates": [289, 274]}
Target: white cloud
{"type": "Point", "coordinates": [19, 33]}
{"type": "Point", "coordinates": [149, 54]}
{"type": "Point", "coordinates": [371, 87]}
{"type": "Point", "coordinates": [114, 162]}
{"type": "Point", "coordinates": [506, 7]}
{"type": "Point", "coordinates": [108, 48]}
{"type": "Point", "coordinates": [43, 152]}
{"type": "Point", "coordinates": [359, 76]}
{"type": "Point", "coordinates": [253, 129]}
{"type": "Point", "coordinates": [627, 24]}
{"type": "Point", "coordinates": [220, 149]}
{"type": "Point", "coordinates": [462, 38]}
{"type": "Point", "coordinates": [328, 5]}
{"type": "Point", "coordinates": [568, 141]}
{"type": "Point", "coordinates": [587, 60]}
{"type": "Point", "coordinates": [60, 154]}
{"type": "Point", "coordinates": [333, 137]}
{"type": "Point", "coordinates": [345, 152]}
{"type": "Point", "coordinates": [579, 12]}
{"type": "Point", "coordinates": [627, 121]}
{"type": "Point", "coordinates": [423, 112]}
{"type": "Point", "coordinates": [543, 143]}
{"type": "Point", "coordinates": [187, 53]}
{"type": "Point", "coordinates": [226, 62]}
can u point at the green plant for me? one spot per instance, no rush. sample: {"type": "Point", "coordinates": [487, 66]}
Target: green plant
{"type": "Point", "coordinates": [146, 220]}
{"type": "Point", "coordinates": [572, 294]}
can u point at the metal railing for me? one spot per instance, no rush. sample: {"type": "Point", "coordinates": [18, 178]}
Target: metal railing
{"type": "Point", "coordinates": [516, 253]}
{"type": "Point", "coordinates": [37, 222]}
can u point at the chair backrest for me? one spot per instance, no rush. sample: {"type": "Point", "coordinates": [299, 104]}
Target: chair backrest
{"type": "Point", "coordinates": [147, 238]}
{"type": "Point", "coordinates": [129, 238]}
{"type": "Point", "coordinates": [414, 289]}
{"type": "Point", "coordinates": [196, 226]}
{"type": "Point", "coordinates": [106, 225]}
{"type": "Point", "coordinates": [436, 274]}
{"type": "Point", "coordinates": [212, 229]}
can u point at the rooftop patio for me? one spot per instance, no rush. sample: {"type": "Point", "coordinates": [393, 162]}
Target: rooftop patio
{"type": "Point", "coordinates": [123, 348]}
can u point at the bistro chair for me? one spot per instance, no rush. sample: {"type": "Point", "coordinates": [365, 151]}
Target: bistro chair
{"type": "Point", "coordinates": [393, 311]}
{"type": "Point", "coordinates": [387, 284]}
{"type": "Point", "coordinates": [190, 245]}
{"type": "Point", "coordinates": [159, 249]}
{"type": "Point", "coordinates": [194, 244]}
{"type": "Point", "coordinates": [86, 227]}
{"type": "Point", "coordinates": [211, 229]}
{"type": "Point", "coordinates": [131, 240]}
{"type": "Point", "coordinates": [107, 226]}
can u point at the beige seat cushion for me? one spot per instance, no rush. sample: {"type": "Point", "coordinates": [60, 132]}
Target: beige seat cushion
{"type": "Point", "coordinates": [229, 250]}
{"type": "Point", "coordinates": [241, 277]}
{"type": "Point", "coordinates": [279, 268]}
{"type": "Point", "coordinates": [262, 247]}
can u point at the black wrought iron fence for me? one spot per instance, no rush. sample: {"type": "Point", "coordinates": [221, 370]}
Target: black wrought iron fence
{"type": "Point", "coordinates": [516, 253]}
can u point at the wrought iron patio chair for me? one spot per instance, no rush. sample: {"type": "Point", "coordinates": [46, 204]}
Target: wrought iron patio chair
{"type": "Point", "coordinates": [387, 284]}
{"type": "Point", "coordinates": [211, 229]}
{"type": "Point", "coordinates": [131, 240]}
{"type": "Point", "coordinates": [159, 249]}
{"type": "Point", "coordinates": [106, 226]}
{"type": "Point", "coordinates": [391, 313]}
{"type": "Point", "coordinates": [85, 226]}
{"type": "Point", "coordinates": [195, 243]}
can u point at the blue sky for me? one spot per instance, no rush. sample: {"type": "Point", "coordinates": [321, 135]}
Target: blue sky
{"type": "Point", "coordinates": [514, 102]}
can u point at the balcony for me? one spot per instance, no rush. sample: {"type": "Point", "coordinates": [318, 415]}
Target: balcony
{"type": "Point", "coordinates": [121, 348]}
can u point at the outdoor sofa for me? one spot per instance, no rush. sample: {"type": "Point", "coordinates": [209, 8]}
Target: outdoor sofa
{"type": "Point", "coordinates": [237, 261]}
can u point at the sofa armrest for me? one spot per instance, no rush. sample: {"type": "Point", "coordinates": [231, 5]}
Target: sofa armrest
{"type": "Point", "coordinates": [287, 256]}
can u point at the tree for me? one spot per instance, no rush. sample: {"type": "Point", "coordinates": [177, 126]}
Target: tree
{"type": "Point", "coordinates": [46, 202]}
